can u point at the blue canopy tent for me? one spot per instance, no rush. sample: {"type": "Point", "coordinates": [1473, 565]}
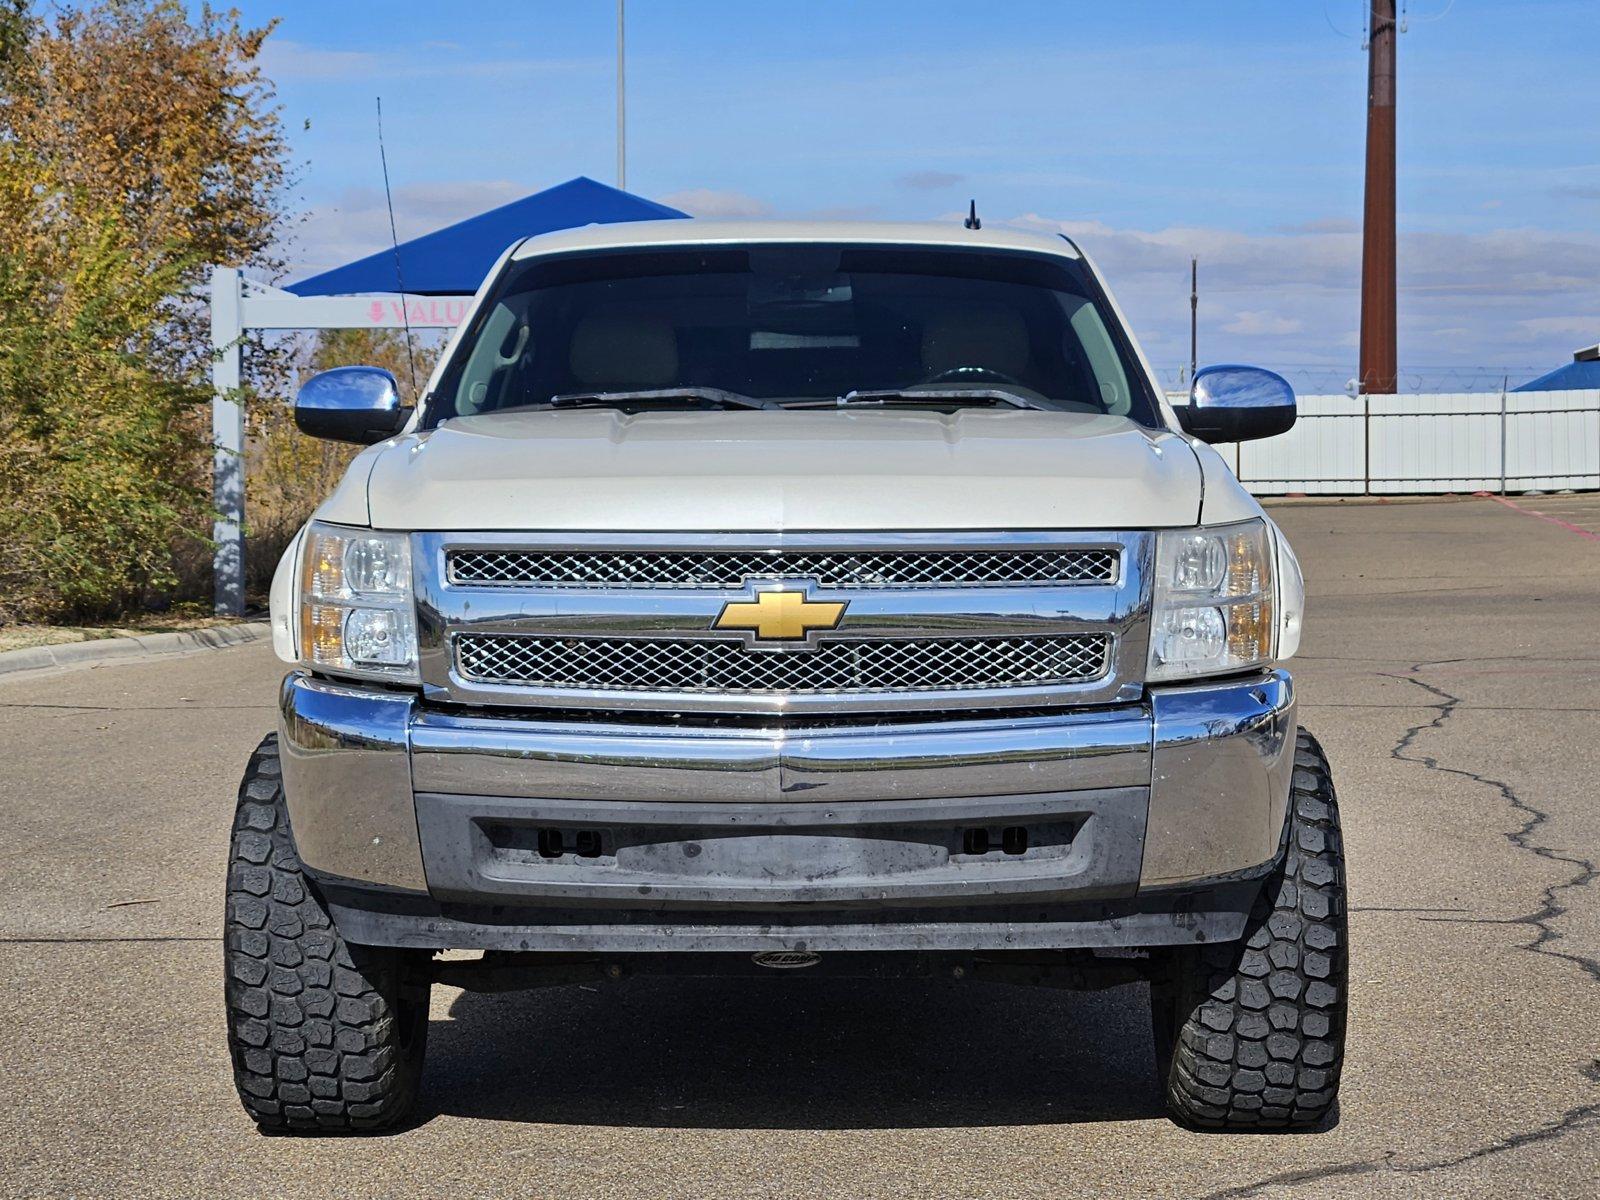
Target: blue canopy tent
{"type": "Point", "coordinates": [1581, 374]}
{"type": "Point", "coordinates": [453, 261]}
{"type": "Point", "coordinates": [368, 294]}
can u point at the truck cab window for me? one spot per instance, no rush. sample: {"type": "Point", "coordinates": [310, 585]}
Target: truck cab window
{"type": "Point", "coordinates": [796, 325]}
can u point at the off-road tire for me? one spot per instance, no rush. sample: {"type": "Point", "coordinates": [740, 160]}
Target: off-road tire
{"type": "Point", "coordinates": [1250, 1034]}
{"type": "Point", "coordinates": [325, 1036]}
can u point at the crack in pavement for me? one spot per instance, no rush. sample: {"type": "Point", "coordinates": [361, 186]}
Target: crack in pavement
{"type": "Point", "coordinates": [1549, 908]}
{"type": "Point", "coordinates": [1583, 1116]}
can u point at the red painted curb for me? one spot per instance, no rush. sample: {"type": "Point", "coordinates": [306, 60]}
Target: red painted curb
{"type": "Point", "coordinates": [1570, 528]}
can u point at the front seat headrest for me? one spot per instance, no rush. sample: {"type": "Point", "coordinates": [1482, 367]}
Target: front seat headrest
{"type": "Point", "coordinates": [617, 352]}
{"type": "Point", "coordinates": [989, 336]}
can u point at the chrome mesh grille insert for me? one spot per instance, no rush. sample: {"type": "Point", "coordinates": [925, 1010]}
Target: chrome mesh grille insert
{"type": "Point", "coordinates": [1046, 566]}
{"type": "Point", "coordinates": [836, 665]}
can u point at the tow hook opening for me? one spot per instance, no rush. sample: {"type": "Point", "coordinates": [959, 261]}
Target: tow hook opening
{"type": "Point", "coordinates": [1012, 839]}
{"type": "Point", "coordinates": [585, 843]}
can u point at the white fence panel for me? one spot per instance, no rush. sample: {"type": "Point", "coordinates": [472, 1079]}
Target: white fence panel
{"type": "Point", "coordinates": [1553, 440]}
{"type": "Point", "coordinates": [1325, 452]}
{"type": "Point", "coordinates": [1444, 442]}
{"type": "Point", "coordinates": [1440, 443]}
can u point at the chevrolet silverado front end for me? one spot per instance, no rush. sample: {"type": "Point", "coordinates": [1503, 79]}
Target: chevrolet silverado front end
{"type": "Point", "coordinates": [828, 598]}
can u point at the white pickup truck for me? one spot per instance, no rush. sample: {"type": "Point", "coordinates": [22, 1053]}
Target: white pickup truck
{"type": "Point", "coordinates": [817, 598]}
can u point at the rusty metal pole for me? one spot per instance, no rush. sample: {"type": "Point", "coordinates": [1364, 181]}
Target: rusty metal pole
{"type": "Point", "coordinates": [1378, 339]}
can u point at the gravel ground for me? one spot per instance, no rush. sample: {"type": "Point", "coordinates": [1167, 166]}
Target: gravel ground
{"type": "Point", "coordinates": [1451, 668]}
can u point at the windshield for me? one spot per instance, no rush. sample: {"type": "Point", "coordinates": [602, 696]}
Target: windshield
{"type": "Point", "coordinates": [795, 324]}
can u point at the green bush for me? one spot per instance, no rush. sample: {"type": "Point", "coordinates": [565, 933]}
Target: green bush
{"type": "Point", "coordinates": [101, 456]}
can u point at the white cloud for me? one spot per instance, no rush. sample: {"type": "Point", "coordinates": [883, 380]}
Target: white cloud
{"type": "Point", "coordinates": [429, 205]}
{"type": "Point", "coordinates": [1583, 329]}
{"type": "Point", "coordinates": [1323, 225]}
{"type": "Point", "coordinates": [357, 224]}
{"type": "Point", "coordinates": [1258, 324]}
{"type": "Point", "coordinates": [284, 59]}
{"type": "Point", "coordinates": [709, 202]}
{"type": "Point", "coordinates": [1471, 304]}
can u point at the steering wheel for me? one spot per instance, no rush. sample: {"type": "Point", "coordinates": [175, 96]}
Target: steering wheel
{"type": "Point", "coordinates": [973, 374]}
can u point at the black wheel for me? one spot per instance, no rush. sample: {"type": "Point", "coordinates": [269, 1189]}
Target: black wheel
{"type": "Point", "coordinates": [325, 1036]}
{"type": "Point", "coordinates": [1250, 1034]}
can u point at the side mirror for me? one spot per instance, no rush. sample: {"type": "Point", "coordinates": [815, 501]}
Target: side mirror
{"type": "Point", "coordinates": [1237, 404]}
{"type": "Point", "coordinates": [351, 404]}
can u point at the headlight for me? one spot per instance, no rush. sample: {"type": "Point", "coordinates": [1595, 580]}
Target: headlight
{"type": "Point", "coordinates": [1213, 608]}
{"type": "Point", "coordinates": [356, 614]}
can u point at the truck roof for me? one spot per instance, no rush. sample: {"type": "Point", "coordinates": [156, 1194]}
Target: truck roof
{"type": "Point", "coordinates": [706, 233]}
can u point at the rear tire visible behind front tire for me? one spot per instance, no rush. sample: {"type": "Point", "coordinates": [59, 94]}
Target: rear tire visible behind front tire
{"type": "Point", "coordinates": [325, 1036]}
{"type": "Point", "coordinates": [1250, 1034]}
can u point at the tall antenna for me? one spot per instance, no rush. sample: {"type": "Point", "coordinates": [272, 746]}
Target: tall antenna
{"type": "Point", "coordinates": [1194, 314]}
{"type": "Point", "coordinates": [622, 104]}
{"type": "Point", "coordinates": [394, 240]}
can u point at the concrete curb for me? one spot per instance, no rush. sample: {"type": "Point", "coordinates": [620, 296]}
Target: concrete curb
{"type": "Point", "coordinates": [131, 649]}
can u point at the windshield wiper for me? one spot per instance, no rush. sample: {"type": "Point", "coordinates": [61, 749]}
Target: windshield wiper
{"type": "Point", "coordinates": [961, 396]}
{"type": "Point", "coordinates": [710, 395]}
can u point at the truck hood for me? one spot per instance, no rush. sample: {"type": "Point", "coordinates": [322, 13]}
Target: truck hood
{"type": "Point", "coordinates": [601, 470]}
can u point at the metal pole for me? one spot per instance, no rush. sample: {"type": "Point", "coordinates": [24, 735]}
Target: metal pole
{"type": "Point", "coordinates": [1378, 338]}
{"type": "Point", "coordinates": [1366, 451]}
{"type": "Point", "coordinates": [227, 437]}
{"type": "Point", "coordinates": [1504, 380]}
{"type": "Point", "coordinates": [622, 103]}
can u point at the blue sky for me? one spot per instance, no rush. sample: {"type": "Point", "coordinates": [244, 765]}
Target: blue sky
{"type": "Point", "coordinates": [1150, 129]}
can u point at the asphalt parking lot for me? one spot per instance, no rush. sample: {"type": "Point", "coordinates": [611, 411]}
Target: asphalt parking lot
{"type": "Point", "coordinates": [1451, 667]}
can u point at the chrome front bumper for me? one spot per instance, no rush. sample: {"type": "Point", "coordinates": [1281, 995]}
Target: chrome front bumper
{"type": "Point", "coordinates": [1184, 789]}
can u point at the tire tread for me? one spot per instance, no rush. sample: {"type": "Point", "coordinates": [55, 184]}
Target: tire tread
{"type": "Point", "coordinates": [315, 1025]}
{"type": "Point", "coordinates": [1258, 1026]}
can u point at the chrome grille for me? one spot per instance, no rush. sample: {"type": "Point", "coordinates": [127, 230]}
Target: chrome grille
{"type": "Point", "coordinates": [1045, 566]}
{"type": "Point", "coordinates": [836, 665]}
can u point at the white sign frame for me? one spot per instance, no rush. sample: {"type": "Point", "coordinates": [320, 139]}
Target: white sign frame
{"type": "Point", "coordinates": [238, 305]}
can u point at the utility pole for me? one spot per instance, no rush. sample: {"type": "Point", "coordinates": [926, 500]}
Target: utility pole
{"type": "Point", "coordinates": [622, 104]}
{"type": "Point", "coordinates": [1378, 339]}
{"type": "Point", "coordinates": [1194, 310]}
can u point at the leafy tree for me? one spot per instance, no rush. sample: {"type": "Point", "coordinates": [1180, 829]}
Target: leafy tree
{"type": "Point", "coordinates": [165, 120]}
{"type": "Point", "coordinates": [137, 145]}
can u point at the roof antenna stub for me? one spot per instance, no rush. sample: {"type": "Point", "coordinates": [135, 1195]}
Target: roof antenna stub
{"type": "Point", "coordinates": [972, 221]}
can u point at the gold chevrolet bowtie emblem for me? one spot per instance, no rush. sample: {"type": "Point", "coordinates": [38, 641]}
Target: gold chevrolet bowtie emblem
{"type": "Point", "coordinates": [780, 616]}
